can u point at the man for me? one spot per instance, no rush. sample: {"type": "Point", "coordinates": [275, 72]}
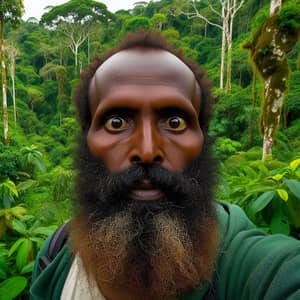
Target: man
{"type": "Point", "coordinates": [146, 224]}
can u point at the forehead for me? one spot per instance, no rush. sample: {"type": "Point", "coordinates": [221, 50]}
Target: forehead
{"type": "Point", "coordinates": [140, 66]}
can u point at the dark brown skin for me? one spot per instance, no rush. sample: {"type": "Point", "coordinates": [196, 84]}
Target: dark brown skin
{"type": "Point", "coordinates": [139, 90]}
{"type": "Point", "coordinates": [144, 105]}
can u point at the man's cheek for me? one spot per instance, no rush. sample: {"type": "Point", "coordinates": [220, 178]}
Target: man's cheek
{"type": "Point", "coordinates": [111, 149]}
{"type": "Point", "coordinates": [184, 149]}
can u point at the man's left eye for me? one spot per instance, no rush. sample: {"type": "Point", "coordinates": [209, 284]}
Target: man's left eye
{"type": "Point", "coordinates": [175, 123]}
{"type": "Point", "coordinates": [116, 123]}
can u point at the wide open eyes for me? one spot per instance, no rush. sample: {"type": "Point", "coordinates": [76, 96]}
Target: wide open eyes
{"type": "Point", "coordinates": [175, 123]}
{"type": "Point", "coordinates": [116, 124]}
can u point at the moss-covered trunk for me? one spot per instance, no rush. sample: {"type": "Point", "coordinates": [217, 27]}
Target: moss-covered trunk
{"type": "Point", "coordinates": [275, 38]}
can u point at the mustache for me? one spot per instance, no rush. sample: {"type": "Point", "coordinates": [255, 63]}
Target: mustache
{"type": "Point", "coordinates": [102, 193]}
{"type": "Point", "coordinates": [174, 185]}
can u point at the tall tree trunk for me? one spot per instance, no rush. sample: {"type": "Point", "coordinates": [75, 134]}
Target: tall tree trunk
{"type": "Point", "coordinates": [4, 94]}
{"type": "Point", "coordinates": [14, 98]}
{"type": "Point", "coordinates": [229, 54]}
{"type": "Point", "coordinates": [229, 63]}
{"type": "Point", "coordinates": [223, 50]}
{"type": "Point", "coordinates": [273, 99]}
{"type": "Point", "coordinates": [76, 58]}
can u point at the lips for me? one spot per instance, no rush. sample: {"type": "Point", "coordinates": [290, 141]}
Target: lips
{"type": "Point", "coordinates": [146, 192]}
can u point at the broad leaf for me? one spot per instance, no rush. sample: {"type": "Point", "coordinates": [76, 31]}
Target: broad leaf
{"type": "Point", "coordinates": [261, 202]}
{"type": "Point", "coordinates": [12, 287]}
{"type": "Point", "coordinates": [23, 254]}
{"type": "Point", "coordinates": [15, 246]}
{"type": "Point", "coordinates": [28, 268]}
{"type": "Point", "coordinates": [19, 226]}
{"type": "Point", "coordinates": [278, 177]}
{"type": "Point", "coordinates": [45, 231]}
{"type": "Point", "coordinates": [294, 187]}
{"type": "Point", "coordinates": [294, 164]}
{"type": "Point", "coordinates": [18, 211]}
{"type": "Point", "coordinates": [37, 240]}
{"type": "Point", "coordinates": [283, 194]}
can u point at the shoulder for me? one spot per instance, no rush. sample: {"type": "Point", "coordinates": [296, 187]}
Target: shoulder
{"type": "Point", "coordinates": [252, 264]}
{"type": "Point", "coordinates": [232, 220]}
{"type": "Point", "coordinates": [48, 282]}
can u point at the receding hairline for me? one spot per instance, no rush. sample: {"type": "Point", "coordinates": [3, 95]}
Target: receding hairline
{"type": "Point", "coordinates": [141, 51]}
{"type": "Point", "coordinates": [148, 40]}
{"type": "Point", "coordinates": [117, 69]}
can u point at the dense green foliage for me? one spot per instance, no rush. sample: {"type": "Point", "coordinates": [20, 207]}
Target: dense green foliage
{"type": "Point", "coordinates": [36, 169]}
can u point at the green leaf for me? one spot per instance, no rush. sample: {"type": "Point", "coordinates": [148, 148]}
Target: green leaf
{"type": "Point", "coordinates": [19, 226]}
{"type": "Point", "coordinates": [37, 240]}
{"type": "Point", "coordinates": [280, 224]}
{"type": "Point", "coordinates": [12, 287]}
{"type": "Point", "coordinates": [15, 246]}
{"type": "Point", "coordinates": [28, 268]}
{"type": "Point", "coordinates": [23, 254]}
{"type": "Point", "coordinates": [18, 211]}
{"type": "Point", "coordinates": [278, 177]}
{"type": "Point", "coordinates": [25, 185]}
{"type": "Point", "coordinates": [261, 202]}
{"type": "Point", "coordinates": [260, 189]}
{"type": "Point", "coordinates": [294, 164]}
{"type": "Point", "coordinates": [45, 231]}
{"type": "Point", "coordinates": [294, 187]}
{"type": "Point", "coordinates": [283, 194]}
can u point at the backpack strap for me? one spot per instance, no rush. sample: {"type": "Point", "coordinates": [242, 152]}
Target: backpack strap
{"type": "Point", "coordinates": [58, 240]}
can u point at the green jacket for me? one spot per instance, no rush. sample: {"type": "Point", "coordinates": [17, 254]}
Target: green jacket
{"type": "Point", "coordinates": [251, 265]}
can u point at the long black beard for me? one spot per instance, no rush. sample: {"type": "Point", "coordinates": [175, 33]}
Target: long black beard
{"type": "Point", "coordinates": [187, 194]}
{"type": "Point", "coordinates": [187, 206]}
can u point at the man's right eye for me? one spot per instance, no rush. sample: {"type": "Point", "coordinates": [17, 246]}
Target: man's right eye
{"type": "Point", "coordinates": [116, 123]}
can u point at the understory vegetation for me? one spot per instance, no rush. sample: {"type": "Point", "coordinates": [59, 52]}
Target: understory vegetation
{"type": "Point", "coordinates": [44, 60]}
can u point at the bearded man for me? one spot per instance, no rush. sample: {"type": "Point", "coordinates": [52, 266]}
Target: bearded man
{"type": "Point", "coordinates": [146, 226]}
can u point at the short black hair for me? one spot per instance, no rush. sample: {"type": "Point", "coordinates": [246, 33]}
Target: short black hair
{"type": "Point", "coordinates": [150, 40]}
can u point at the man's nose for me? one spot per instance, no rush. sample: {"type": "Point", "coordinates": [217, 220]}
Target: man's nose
{"type": "Point", "coordinates": [147, 144]}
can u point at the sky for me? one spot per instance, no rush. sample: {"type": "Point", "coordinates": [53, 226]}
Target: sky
{"type": "Point", "coordinates": [35, 8]}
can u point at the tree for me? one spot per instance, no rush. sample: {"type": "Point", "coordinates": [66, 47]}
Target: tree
{"type": "Point", "coordinates": [10, 11]}
{"type": "Point", "coordinates": [139, 7]}
{"type": "Point", "coordinates": [34, 95]}
{"type": "Point", "coordinates": [274, 40]}
{"type": "Point", "coordinates": [32, 159]}
{"type": "Point", "coordinates": [135, 23]}
{"type": "Point", "coordinates": [12, 52]}
{"type": "Point", "coordinates": [158, 20]}
{"type": "Point", "coordinates": [75, 20]}
{"type": "Point", "coordinates": [226, 11]}
{"type": "Point", "coordinates": [58, 72]}
{"type": "Point", "coordinates": [8, 193]}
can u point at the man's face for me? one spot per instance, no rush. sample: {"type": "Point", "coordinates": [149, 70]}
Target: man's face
{"type": "Point", "coordinates": [147, 226]}
{"type": "Point", "coordinates": [144, 106]}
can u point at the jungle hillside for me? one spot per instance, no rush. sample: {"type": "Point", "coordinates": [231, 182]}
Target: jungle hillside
{"type": "Point", "coordinates": [250, 52]}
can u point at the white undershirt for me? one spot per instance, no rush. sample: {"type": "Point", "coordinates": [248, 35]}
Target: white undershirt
{"type": "Point", "coordinates": [77, 286]}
